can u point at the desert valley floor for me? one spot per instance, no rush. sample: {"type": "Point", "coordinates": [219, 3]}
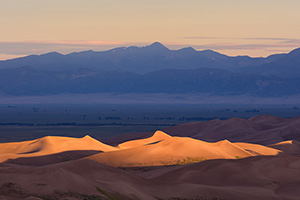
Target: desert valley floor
{"type": "Point", "coordinates": [233, 159]}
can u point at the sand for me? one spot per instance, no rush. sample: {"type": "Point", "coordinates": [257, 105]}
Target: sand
{"type": "Point", "coordinates": [50, 145]}
{"type": "Point", "coordinates": [160, 166]}
{"type": "Point", "coordinates": [291, 147]}
{"type": "Point", "coordinates": [262, 129]}
{"type": "Point", "coordinates": [262, 178]}
{"type": "Point", "coordinates": [162, 149]}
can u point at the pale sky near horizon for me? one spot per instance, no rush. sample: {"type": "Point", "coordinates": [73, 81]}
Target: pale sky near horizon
{"type": "Point", "coordinates": [232, 27]}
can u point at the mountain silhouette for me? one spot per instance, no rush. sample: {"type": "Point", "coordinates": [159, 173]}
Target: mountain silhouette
{"type": "Point", "coordinates": [151, 69]}
{"type": "Point", "coordinates": [135, 59]}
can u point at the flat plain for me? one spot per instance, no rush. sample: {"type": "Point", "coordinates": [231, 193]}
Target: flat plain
{"type": "Point", "coordinates": [103, 121]}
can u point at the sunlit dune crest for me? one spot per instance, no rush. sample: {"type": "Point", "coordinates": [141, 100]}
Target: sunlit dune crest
{"type": "Point", "coordinates": [262, 129]}
{"type": "Point", "coordinates": [157, 137]}
{"type": "Point", "coordinates": [162, 149]}
{"type": "Point", "coordinates": [291, 147]}
{"type": "Point", "coordinates": [159, 149]}
{"type": "Point", "coordinates": [50, 145]}
{"type": "Point", "coordinates": [184, 167]}
{"type": "Point", "coordinates": [257, 150]}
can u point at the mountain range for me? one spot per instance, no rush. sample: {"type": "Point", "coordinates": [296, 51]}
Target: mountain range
{"type": "Point", "coordinates": [151, 69]}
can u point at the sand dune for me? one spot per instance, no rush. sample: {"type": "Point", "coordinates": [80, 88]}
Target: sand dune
{"type": "Point", "coordinates": [159, 149]}
{"type": "Point", "coordinates": [80, 179]}
{"type": "Point", "coordinates": [263, 129]}
{"type": "Point", "coordinates": [44, 160]}
{"type": "Point", "coordinates": [50, 145]}
{"type": "Point", "coordinates": [250, 178]}
{"type": "Point", "coordinates": [261, 178]}
{"type": "Point", "coordinates": [291, 147]}
{"type": "Point", "coordinates": [162, 149]}
{"type": "Point", "coordinates": [160, 166]}
{"type": "Point", "coordinates": [258, 150]}
{"type": "Point", "coordinates": [156, 137]}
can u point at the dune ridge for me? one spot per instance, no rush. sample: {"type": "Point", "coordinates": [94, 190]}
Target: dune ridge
{"type": "Point", "coordinates": [290, 147]}
{"type": "Point", "coordinates": [162, 149]}
{"type": "Point", "coordinates": [160, 166]}
{"type": "Point", "coordinates": [261, 178]}
{"type": "Point", "coordinates": [156, 137]}
{"type": "Point", "coordinates": [159, 149]}
{"type": "Point", "coordinates": [50, 145]}
{"type": "Point", "coordinates": [262, 129]}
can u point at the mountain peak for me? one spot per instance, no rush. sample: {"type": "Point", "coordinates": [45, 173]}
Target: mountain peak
{"type": "Point", "coordinates": [188, 49]}
{"type": "Point", "coordinates": [157, 45]}
{"type": "Point", "coordinates": [54, 53]}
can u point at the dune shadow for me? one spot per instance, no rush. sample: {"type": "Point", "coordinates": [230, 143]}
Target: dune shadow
{"type": "Point", "coordinates": [52, 158]}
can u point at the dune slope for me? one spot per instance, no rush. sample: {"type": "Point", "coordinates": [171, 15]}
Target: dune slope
{"type": "Point", "coordinates": [291, 147]}
{"type": "Point", "coordinates": [262, 129]}
{"type": "Point", "coordinates": [50, 145]}
{"type": "Point", "coordinates": [167, 150]}
{"type": "Point", "coordinates": [156, 137]}
{"type": "Point", "coordinates": [80, 179]}
{"type": "Point", "coordinates": [273, 177]}
{"type": "Point", "coordinates": [159, 167]}
{"type": "Point", "coordinates": [261, 178]}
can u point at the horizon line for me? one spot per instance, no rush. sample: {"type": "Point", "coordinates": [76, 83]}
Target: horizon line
{"type": "Point", "coordinates": [110, 45]}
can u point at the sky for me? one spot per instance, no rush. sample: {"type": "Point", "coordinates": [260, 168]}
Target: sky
{"type": "Point", "coordinates": [233, 27]}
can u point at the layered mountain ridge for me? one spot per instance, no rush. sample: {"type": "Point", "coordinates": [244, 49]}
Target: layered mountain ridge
{"type": "Point", "coordinates": [151, 69]}
{"type": "Point", "coordinates": [145, 59]}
